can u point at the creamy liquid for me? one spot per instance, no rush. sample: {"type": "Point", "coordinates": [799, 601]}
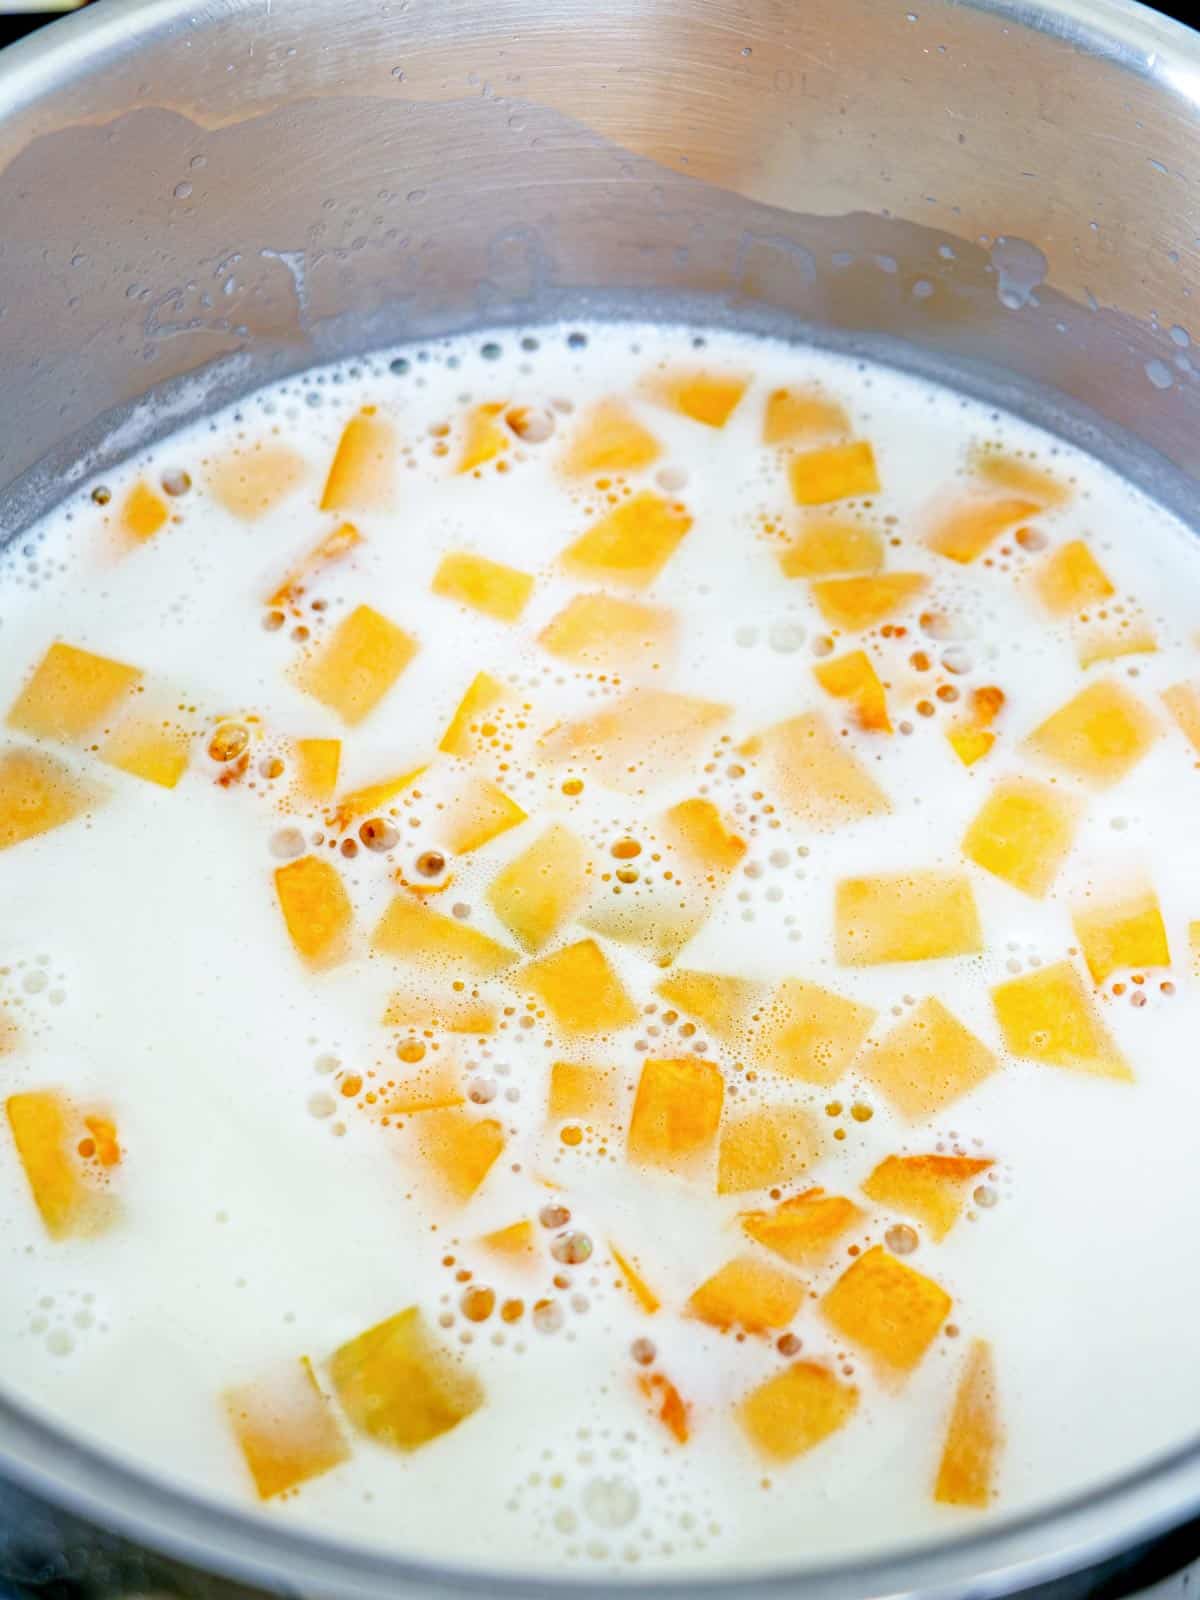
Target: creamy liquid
{"type": "Point", "coordinates": [262, 1211]}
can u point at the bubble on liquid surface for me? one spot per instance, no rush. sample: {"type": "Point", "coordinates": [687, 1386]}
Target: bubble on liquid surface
{"type": "Point", "coordinates": [1020, 269]}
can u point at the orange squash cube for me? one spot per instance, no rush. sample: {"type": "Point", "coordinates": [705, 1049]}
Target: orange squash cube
{"type": "Point", "coordinates": [811, 1033]}
{"type": "Point", "coordinates": [1100, 735]}
{"type": "Point", "coordinates": [820, 781]}
{"type": "Point", "coordinates": [930, 1188]}
{"type": "Point", "coordinates": [488, 586]}
{"type": "Point", "coordinates": [648, 725]}
{"type": "Point", "coordinates": [318, 762]}
{"type": "Point", "coordinates": [147, 750]}
{"type": "Point", "coordinates": [432, 1088]}
{"type": "Point", "coordinates": [249, 483]}
{"type": "Point", "coordinates": [316, 910]}
{"type": "Point", "coordinates": [698, 831]}
{"type": "Point", "coordinates": [353, 671]}
{"type": "Point", "coordinates": [455, 1013]}
{"type": "Point", "coordinates": [826, 548]}
{"type": "Point", "coordinates": [143, 512]}
{"type": "Point", "coordinates": [459, 1148]}
{"type": "Point", "coordinates": [967, 1470]}
{"type": "Point", "coordinates": [1182, 700]}
{"type": "Point", "coordinates": [765, 1148]}
{"type": "Point", "coordinates": [470, 721]}
{"type": "Point", "coordinates": [749, 1294]}
{"type": "Point", "coordinates": [578, 1091]}
{"type": "Point", "coordinates": [372, 798]}
{"type": "Point", "coordinates": [541, 889]}
{"type": "Point", "coordinates": [853, 677]}
{"type": "Point", "coordinates": [970, 744]}
{"type": "Point", "coordinates": [1071, 579]}
{"type": "Point", "coordinates": [630, 544]}
{"type": "Point", "coordinates": [37, 794]}
{"type": "Point", "coordinates": [791, 1413]}
{"type": "Point", "coordinates": [38, 1120]}
{"type": "Point", "coordinates": [805, 1228]}
{"type": "Point", "coordinates": [399, 1386]}
{"type": "Point", "coordinates": [721, 1004]}
{"type": "Point", "coordinates": [803, 413]}
{"type": "Point", "coordinates": [905, 916]}
{"type": "Point", "coordinates": [412, 932]}
{"type": "Point", "coordinates": [667, 1404]}
{"type": "Point", "coordinates": [477, 814]}
{"type": "Point", "coordinates": [285, 1429]}
{"type": "Point", "coordinates": [1023, 834]}
{"type": "Point", "coordinates": [835, 472]}
{"type": "Point", "coordinates": [610, 439]}
{"type": "Point", "coordinates": [71, 691]}
{"type": "Point", "coordinates": [601, 630]}
{"type": "Point", "coordinates": [1048, 1016]}
{"type": "Point", "coordinates": [1109, 641]}
{"type": "Point", "coordinates": [580, 989]}
{"type": "Point", "coordinates": [516, 1243]}
{"type": "Point", "coordinates": [858, 603]}
{"type": "Point", "coordinates": [634, 1281]}
{"type": "Point", "coordinates": [707, 397]}
{"type": "Point", "coordinates": [928, 1061]}
{"type": "Point", "coordinates": [362, 473]}
{"type": "Point", "coordinates": [887, 1309]}
{"type": "Point", "coordinates": [676, 1113]}
{"type": "Point", "coordinates": [333, 547]}
{"type": "Point", "coordinates": [1011, 474]}
{"type": "Point", "coordinates": [964, 533]}
{"type": "Point", "coordinates": [1127, 932]}
{"type": "Point", "coordinates": [485, 438]}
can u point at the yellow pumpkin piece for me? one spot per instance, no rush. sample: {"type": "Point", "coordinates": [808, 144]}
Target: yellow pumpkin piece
{"type": "Point", "coordinates": [399, 1386]}
{"type": "Point", "coordinates": [580, 989]}
{"type": "Point", "coordinates": [362, 473]}
{"type": "Point", "coordinates": [372, 798]}
{"type": "Point", "coordinates": [1194, 946]}
{"type": "Point", "coordinates": [516, 1243]}
{"type": "Point", "coordinates": [249, 483]}
{"type": "Point", "coordinates": [1113, 641]}
{"type": "Point", "coordinates": [39, 1124]}
{"type": "Point", "coordinates": [107, 1148]}
{"type": "Point", "coordinates": [928, 1061]}
{"type": "Point", "coordinates": [578, 1091]}
{"type": "Point", "coordinates": [1127, 932]}
{"type": "Point", "coordinates": [819, 779]}
{"type": "Point", "coordinates": [634, 1282]}
{"type": "Point", "coordinates": [698, 831]}
{"type": "Point", "coordinates": [143, 512]}
{"type": "Point", "coordinates": [963, 534]}
{"type": "Point", "coordinates": [610, 439]}
{"type": "Point", "coordinates": [318, 762]}
{"type": "Point", "coordinates": [1011, 474]}
{"type": "Point", "coordinates": [460, 1148]}
{"type": "Point", "coordinates": [707, 397]}
{"type": "Point", "coordinates": [148, 750]}
{"type": "Point", "coordinates": [1071, 579]}
{"type": "Point", "coordinates": [766, 1148]}
{"type": "Point", "coordinates": [470, 721]}
{"type": "Point", "coordinates": [667, 1404]}
{"type": "Point", "coordinates": [1100, 735]}
{"type": "Point", "coordinates": [357, 666]}
{"type": "Point", "coordinates": [486, 436]}
{"type": "Point", "coordinates": [827, 548]}
{"type": "Point", "coordinates": [541, 889]}
{"type": "Point", "coordinates": [71, 691]}
{"type": "Point", "coordinates": [805, 1228]}
{"type": "Point", "coordinates": [1023, 834]}
{"type": "Point", "coordinates": [748, 1294]}
{"type": "Point", "coordinates": [858, 603]}
{"type": "Point", "coordinates": [37, 794]}
{"type": "Point", "coordinates": [316, 910]}
{"type": "Point", "coordinates": [630, 544]}
{"type": "Point", "coordinates": [967, 1470]}
{"type": "Point", "coordinates": [603, 631]}
{"type": "Point", "coordinates": [456, 1013]}
{"type": "Point", "coordinates": [435, 1089]}
{"type": "Point", "coordinates": [676, 1113]}
{"type": "Point", "coordinates": [970, 744]}
{"type": "Point", "coordinates": [853, 677]}
{"type": "Point", "coordinates": [811, 1033]}
{"type": "Point", "coordinates": [1182, 700]}
{"type": "Point", "coordinates": [648, 725]}
{"type": "Point", "coordinates": [837, 472]}
{"type": "Point", "coordinates": [803, 413]}
{"type": "Point", "coordinates": [1048, 1016]}
{"type": "Point", "coordinates": [488, 586]}
{"type": "Point", "coordinates": [791, 1413]}
{"type": "Point", "coordinates": [479, 813]}
{"type": "Point", "coordinates": [933, 1189]}
{"type": "Point", "coordinates": [333, 547]}
{"type": "Point", "coordinates": [285, 1429]}
{"type": "Point", "coordinates": [721, 1004]}
{"type": "Point", "coordinates": [412, 932]}
{"type": "Point", "coordinates": [905, 916]}
{"type": "Point", "coordinates": [887, 1309]}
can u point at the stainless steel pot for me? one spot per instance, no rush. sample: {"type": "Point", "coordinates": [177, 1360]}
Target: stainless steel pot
{"type": "Point", "coordinates": [199, 195]}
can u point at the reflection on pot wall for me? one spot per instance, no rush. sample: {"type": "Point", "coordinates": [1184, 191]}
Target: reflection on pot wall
{"type": "Point", "coordinates": [324, 176]}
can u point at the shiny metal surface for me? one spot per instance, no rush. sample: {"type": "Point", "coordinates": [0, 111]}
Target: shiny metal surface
{"type": "Point", "coordinates": [197, 197]}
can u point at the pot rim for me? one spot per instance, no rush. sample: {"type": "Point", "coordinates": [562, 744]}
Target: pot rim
{"type": "Point", "coordinates": [1007, 1555]}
